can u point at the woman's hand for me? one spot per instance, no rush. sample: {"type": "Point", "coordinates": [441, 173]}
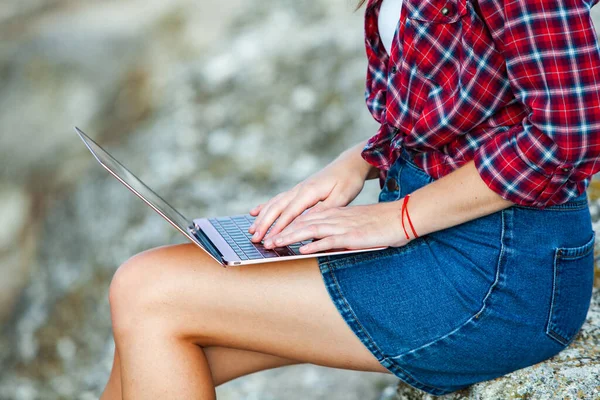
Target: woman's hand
{"type": "Point", "coordinates": [336, 185]}
{"type": "Point", "coordinates": [354, 227]}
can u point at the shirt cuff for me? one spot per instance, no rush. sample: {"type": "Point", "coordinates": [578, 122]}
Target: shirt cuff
{"type": "Point", "coordinates": [507, 171]}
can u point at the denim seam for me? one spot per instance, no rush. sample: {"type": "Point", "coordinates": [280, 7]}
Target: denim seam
{"type": "Point", "coordinates": [584, 251]}
{"type": "Point", "coordinates": [350, 260]}
{"type": "Point", "coordinates": [550, 332]}
{"type": "Point", "coordinates": [578, 205]}
{"type": "Point", "coordinates": [371, 343]}
{"type": "Point", "coordinates": [483, 307]}
{"type": "Point", "coordinates": [576, 252]}
{"type": "Point", "coordinates": [409, 379]}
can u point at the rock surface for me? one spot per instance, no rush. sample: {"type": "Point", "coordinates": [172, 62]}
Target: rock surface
{"type": "Point", "coordinates": [15, 244]}
{"type": "Point", "coordinates": [217, 107]}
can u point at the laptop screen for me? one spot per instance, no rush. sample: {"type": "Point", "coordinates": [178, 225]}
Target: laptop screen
{"type": "Point", "coordinates": [135, 184]}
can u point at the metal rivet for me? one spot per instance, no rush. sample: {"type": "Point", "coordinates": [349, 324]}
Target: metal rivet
{"type": "Point", "coordinates": [445, 11]}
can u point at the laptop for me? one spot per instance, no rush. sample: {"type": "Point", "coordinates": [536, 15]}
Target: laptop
{"type": "Point", "coordinates": [225, 239]}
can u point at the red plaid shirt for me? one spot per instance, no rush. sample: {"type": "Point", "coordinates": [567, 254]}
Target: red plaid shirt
{"type": "Point", "coordinates": [512, 84]}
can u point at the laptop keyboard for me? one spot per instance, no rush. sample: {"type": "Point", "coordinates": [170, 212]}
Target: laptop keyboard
{"type": "Point", "coordinates": [235, 232]}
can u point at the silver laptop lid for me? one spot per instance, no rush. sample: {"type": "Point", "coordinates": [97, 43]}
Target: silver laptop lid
{"type": "Point", "coordinates": [141, 190]}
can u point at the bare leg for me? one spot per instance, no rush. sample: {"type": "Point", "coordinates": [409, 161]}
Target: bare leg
{"type": "Point", "coordinates": [225, 365]}
{"type": "Point", "coordinates": [112, 391]}
{"type": "Point", "coordinates": [170, 302]}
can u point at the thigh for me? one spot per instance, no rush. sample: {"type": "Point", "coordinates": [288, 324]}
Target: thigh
{"type": "Point", "coordinates": [279, 308]}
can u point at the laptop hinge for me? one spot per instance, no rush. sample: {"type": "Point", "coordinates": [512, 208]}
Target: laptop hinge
{"type": "Point", "coordinates": [201, 236]}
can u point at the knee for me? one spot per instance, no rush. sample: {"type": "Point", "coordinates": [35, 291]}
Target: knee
{"type": "Point", "coordinates": [134, 293]}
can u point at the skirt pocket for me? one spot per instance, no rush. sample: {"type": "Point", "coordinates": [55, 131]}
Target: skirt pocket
{"type": "Point", "coordinates": [572, 290]}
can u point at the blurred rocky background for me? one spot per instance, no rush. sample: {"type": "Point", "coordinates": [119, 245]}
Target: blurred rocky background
{"type": "Point", "coordinates": [217, 105]}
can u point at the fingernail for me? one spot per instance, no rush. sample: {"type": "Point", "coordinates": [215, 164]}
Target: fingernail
{"type": "Point", "coordinates": [279, 240]}
{"type": "Point", "coordinates": [268, 243]}
{"type": "Point", "coordinates": [255, 236]}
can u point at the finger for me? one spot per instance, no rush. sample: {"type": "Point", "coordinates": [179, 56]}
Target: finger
{"type": "Point", "coordinates": [323, 205]}
{"type": "Point", "coordinates": [319, 214]}
{"type": "Point", "coordinates": [327, 243]}
{"type": "Point", "coordinates": [263, 208]}
{"type": "Point", "coordinates": [303, 220]}
{"type": "Point", "coordinates": [313, 231]}
{"type": "Point", "coordinates": [256, 210]}
{"type": "Point", "coordinates": [268, 215]}
{"type": "Point", "coordinates": [329, 216]}
{"type": "Point", "coordinates": [259, 216]}
{"type": "Point", "coordinates": [316, 208]}
{"type": "Point", "coordinates": [296, 206]}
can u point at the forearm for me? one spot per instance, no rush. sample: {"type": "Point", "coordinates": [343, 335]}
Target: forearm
{"type": "Point", "coordinates": [353, 157]}
{"type": "Point", "coordinates": [455, 198]}
{"type": "Point", "coordinates": [451, 200]}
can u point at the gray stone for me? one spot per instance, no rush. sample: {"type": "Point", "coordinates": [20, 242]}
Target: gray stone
{"type": "Point", "coordinates": [17, 245]}
{"type": "Point", "coordinates": [95, 63]}
{"type": "Point", "coordinates": [14, 214]}
{"type": "Point", "coordinates": [212, 133]}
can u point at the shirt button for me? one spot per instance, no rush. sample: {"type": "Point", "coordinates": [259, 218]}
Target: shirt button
{"type": "Point", "coordinates": [445, 11]}
{"type": "Point", "coordinates": [394, 69]}
{"type": "Point", "coordinates": [566, 169]}
{"type": "Point", "coordinates": [392, 185]}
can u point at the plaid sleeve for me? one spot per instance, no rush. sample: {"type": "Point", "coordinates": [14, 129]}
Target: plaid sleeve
{"type": "Point", "coordinates": [553, 64]}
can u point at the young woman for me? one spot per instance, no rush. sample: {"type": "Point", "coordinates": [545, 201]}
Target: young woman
{"type": "Point", "coordinates": [489, 113]}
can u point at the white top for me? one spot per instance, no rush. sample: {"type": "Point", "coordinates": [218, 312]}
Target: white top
{"type": "Point", "coordinates": [389, 16]}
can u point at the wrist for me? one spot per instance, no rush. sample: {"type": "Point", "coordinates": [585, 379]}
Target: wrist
{"type": "Point", "coordinates": [416, 209]}
{"type": "Point", "coordinates": [392, 219]}
{"type": "Point", "coordinates": [456, 198]}
{"type": "Point", "coordinates": [353, 161]}
{"type": "Point", "coordinates": [407, 224]}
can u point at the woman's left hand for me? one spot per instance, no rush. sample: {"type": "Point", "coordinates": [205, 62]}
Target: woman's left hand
{"type": "Point", "coordinates": [351, 227]}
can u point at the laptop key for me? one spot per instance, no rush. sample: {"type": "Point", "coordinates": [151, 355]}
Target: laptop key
{"type": "Point", "coordinates": [267, 252]}
{"type": "Point", "coordinates": [284, 251]}
{"type": "Point", "coordinates": [271, 255]}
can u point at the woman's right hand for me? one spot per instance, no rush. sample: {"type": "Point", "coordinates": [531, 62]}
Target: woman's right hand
{"type": "Point", "coordinates": [336, 185]}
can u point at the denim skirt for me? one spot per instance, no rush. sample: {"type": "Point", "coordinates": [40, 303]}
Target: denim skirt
{"type": "Point", "coordinates": [472, 302]}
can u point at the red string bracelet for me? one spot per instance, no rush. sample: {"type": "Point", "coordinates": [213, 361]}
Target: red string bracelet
{"type": "Point", "coordinates": [405, 209]}
{"type": "Point", "coordinates": [402, 216]}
